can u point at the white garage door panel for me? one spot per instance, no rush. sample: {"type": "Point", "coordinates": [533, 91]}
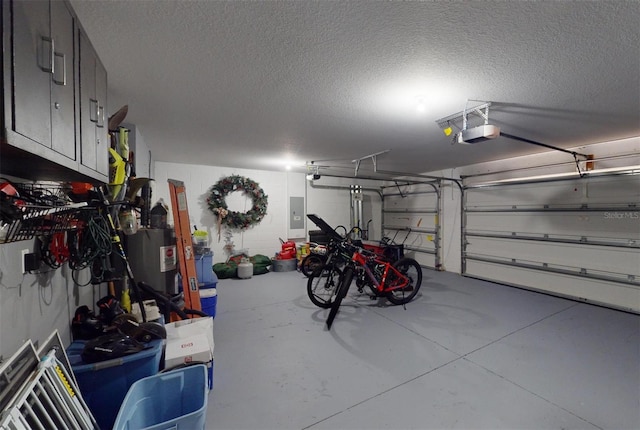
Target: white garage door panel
{"type": "Point", "coordinates": [576, 237]}
{"type": "Point", "coordinates": [606, 260]}
{"type": "Point", "coordinates": [571, 225]}
{"type": "Point", "coordinates": [417, 245]}
{"type": "Point", "coordinates": [412, 220]}
{"type": "Point", "coordinates": [427, 260]}
{"type": "Point", "coordinates": [626, 297]}
{"type": "Point", "coordinates": [597, 191]}
{"type": "Point", "coordinates": [411, 201]}
{"type": "Point", "coordinates": [417, 240]}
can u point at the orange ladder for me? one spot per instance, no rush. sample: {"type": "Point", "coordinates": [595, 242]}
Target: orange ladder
{"type": "Point", "coordinates": [184, 245]}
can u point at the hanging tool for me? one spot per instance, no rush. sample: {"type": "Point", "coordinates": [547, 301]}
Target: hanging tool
{"type": "Point", "coordinates": [117, 242]}
{"type": "Point", "coordinates": [184, 244]}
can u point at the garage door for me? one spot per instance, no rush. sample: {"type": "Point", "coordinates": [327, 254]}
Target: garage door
{"type": "Point", "coordinates": [578, 238]}
{"type": "Point", "coordinates": [411, 217]}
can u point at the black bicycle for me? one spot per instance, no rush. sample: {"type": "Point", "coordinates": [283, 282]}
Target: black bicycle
{"type": "Point", "coordinates": [323, 283]}
{"type": "Point", "coordinates": [313, 262]}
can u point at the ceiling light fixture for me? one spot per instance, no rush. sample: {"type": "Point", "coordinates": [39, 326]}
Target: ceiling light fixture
{"type": "Point", "coordinates": [421, 105]}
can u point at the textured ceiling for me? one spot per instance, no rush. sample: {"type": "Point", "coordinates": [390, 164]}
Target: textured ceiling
{"type": "Point", "coordinates": [248, 84]}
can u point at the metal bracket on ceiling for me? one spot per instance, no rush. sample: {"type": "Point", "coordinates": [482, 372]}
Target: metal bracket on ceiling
{"type": "Point", "coordinates": [446, 123]}
{"type": "Point", "coordinates": [399, 190]}
{"type": "Point", "coordinates": [313, 171]}
{"type": "Point", "coordinates": [373, 158]}
{"type": "Point", "coordinates": [481, 111]}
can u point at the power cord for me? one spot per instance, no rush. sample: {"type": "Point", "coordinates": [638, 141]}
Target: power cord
{"type": "Point", "coordinates": [87, 246]}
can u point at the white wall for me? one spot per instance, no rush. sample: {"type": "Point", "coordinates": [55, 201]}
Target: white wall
{"type": "Point", "coordinates": [32, 306]}
{"type": "Point", "coordinates": [329, 198]}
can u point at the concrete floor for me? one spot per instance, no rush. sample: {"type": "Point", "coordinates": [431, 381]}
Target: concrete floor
{"type": "Point", "coordinates": [464, 354]}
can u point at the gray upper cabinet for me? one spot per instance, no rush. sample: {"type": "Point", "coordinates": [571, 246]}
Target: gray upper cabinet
{"type": "Point", "coordinates": [44, 85]}
{"type": "Point", "coordinates": [94, 133]}
{"type": "Point", "coordinates": [42, 129]}
{"type": "Point", "coordinates": [32, 93]}
{"type": "Point", "coordinates": [62, 81]}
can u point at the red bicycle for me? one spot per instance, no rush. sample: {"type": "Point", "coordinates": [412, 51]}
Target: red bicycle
{"type": "Point", "coordinates": [399, 282]}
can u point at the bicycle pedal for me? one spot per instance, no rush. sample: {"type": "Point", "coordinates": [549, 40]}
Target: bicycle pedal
{"type": "Point", "coordinates": [372, 297]}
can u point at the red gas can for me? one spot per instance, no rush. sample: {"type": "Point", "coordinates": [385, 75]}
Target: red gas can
{"type": "Point", "coordinates": [288, 250]}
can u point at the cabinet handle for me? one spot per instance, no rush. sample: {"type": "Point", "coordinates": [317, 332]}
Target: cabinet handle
{"type": "Point", "coordinates": [45, 58]}
{"type": "Point", "coordinates": [60, 64]}
{"type": "Point", "coordinates": [93, 110]}
{"type": "Point", "coordinates": [100, 122]}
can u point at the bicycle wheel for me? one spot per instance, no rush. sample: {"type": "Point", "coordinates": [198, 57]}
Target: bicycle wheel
{"type": "Point", "coordinates": [310, 264]}
{"type": "Point", "coordinates": [342, 292]}
{"type": "Point", "coordinates": [404, 294]}
{"type": "Point", "coordinates": [322, 286]}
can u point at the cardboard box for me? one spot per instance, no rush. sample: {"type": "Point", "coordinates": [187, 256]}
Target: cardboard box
{"type": "Point", "coordinates": [190, 341]}
{"type": "Point", "coordinates": [194, 348]}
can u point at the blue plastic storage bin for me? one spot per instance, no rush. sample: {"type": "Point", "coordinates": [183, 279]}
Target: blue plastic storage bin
{"type": "Point", "coordinates": [204, 268]}
{"type": "Point", "coordinates": [104, 385]}
{"type": "Point", "coordinates": [173, 400]}
{"type": "Point", "coordinates": [209, 301]}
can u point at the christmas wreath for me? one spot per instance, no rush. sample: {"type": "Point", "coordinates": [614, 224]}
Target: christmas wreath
{"type": "Point", "coordinates": [233, 219]}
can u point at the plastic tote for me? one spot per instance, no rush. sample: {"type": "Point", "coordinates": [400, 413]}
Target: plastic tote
{"type": "Point", "coordinates": [171, 400]}
{"type": "Point", "coordinates": [104, 384]}
{"type": "Point", "coordinates": [209, 301]}
{"type": "Point", "coordinates": [204, 268]}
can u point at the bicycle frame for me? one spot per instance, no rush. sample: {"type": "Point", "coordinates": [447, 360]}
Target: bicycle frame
{"type": "Point", "coordinates": [380, 285]}
{"type": "Point", "coordinates": [382, 277]}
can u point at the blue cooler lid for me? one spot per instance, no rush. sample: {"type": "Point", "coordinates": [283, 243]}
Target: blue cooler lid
{"type": "Point", "coordinates": [207, 293]}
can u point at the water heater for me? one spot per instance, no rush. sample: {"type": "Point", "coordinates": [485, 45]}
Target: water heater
{"type": "Point", "coordinates": [153, 259]}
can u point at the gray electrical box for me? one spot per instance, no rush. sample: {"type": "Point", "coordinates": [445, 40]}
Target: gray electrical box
{"type": "Point", "coordinates": [153, 259]}
{"type": "Point", "coordinates": [296, 216]}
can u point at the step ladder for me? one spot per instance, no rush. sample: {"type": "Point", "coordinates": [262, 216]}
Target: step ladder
{"type": "Point", "coordinates": [184, 245]}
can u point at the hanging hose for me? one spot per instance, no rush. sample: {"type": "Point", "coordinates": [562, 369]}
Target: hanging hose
{"type": "Point", "coordinates": [168, 305]}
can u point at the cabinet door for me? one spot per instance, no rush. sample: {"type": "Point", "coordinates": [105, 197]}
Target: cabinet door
{"type": "Point", "coordinates": [102, 126]}
{"type": "Point", "coordinates": [33, 55]}
{"type": "Point", "coordinates": [62, 81]}
{"type": "Point", "coordinates": [88, 104]}
{"type": "Point", "coordinates": [94, 129]}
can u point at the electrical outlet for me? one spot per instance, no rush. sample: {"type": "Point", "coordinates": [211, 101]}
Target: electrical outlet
{"type": "Point", "coordinates": [23, 260]}
{"type": "Point", "coordinates": [31, 262]}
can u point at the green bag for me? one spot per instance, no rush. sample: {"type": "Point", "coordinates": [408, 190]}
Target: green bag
{"type": "Point", "coordinates": [226, 270]}
{"type": "Point", "coordinates": [261, 264]}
